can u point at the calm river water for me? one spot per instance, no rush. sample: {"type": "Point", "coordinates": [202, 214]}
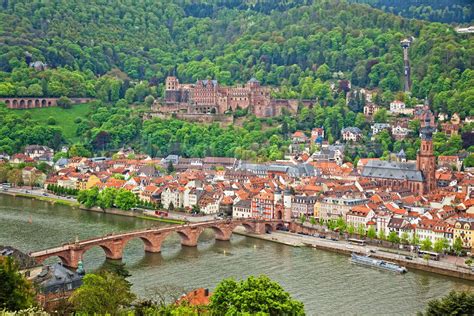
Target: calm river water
{"type": "Point", "coordinates": [327, 283]}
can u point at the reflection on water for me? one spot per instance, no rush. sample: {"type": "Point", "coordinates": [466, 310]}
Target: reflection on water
{"type": "Point", "coordinates": [327, 283]}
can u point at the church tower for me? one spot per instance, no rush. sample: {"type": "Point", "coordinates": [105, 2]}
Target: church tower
{"type": "Point", "coordinates": [425, 160]}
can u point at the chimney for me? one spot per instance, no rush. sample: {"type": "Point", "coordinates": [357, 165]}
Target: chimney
{"type": "Point", "coordinates": [206, 292]}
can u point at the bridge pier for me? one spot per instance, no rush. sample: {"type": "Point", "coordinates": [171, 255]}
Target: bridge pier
{"type": "Point", "coordinates": [224, 232]}
{"type": "Point", "coordinates": [114, 248]}
{"type": "Point", "coordinates": [153, 242]}
{"type": "Point", "coordinates": [189, 236]}
{"type": "Point", "coordinates": [75, 255]}
{"type": "Point", "coordinates": [260, 228]}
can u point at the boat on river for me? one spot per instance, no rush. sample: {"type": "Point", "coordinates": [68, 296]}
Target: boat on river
{"type": "Point", "coordinates": [377, 263]}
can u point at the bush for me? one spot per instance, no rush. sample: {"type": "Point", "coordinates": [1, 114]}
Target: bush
{"type": "Point", "coordinates": [64, 102]}
{"type": "Point", "coordinates": [51, 121]}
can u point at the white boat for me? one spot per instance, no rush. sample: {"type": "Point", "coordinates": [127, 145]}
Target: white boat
{"type": "Point", "coordinates": [377, 263]}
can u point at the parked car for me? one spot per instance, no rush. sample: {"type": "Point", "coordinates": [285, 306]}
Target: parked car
{"type": "Point", "coordinates": [161, 213]}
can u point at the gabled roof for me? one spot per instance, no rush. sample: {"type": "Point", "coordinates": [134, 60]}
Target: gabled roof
{"type": "Point", "coordinates": [392, 170]}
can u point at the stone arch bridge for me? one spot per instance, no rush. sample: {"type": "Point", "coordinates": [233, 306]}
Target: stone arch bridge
{"type": "Point", "coordinates": [114, 244]}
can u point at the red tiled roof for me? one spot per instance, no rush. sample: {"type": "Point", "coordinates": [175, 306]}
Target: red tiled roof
{"type": "Point", "coordinates": [197, 297]}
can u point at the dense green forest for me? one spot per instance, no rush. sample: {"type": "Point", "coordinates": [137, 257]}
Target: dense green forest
{"type": "Point", "coordinates": [280, 43]}
{"type": "Point", "coordinates": [446, 11]}
{"type": "Point", "coordinates": [121, 51]}
{"type": "Point", "coordinates": [108, 127]}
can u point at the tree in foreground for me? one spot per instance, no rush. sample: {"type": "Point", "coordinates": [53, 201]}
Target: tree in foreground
{"type": "Point", "coordinates": [15, 291]}
{"type": "Point", "coordinates": [125, 199]}
{"type": "Point", "coordinates": [426, 244]}
{"type": "Point", "coordinates": [393, 237]}
{"type": "Point", "coordinates": [107, 197]}
{"type": "Point", "coordinates": [371, 233]}
{"type": "Point", "coordinates": [405, 238]}
{"type": "Point", "coordinates": [457, 245]}
{"type": "Point", "coordinates": [104, 293]}
{"type": "Point", "coordinates": [253, 296]}
{"type": "Point", "coordinates": [441, 245]}
{"type": "Point", "coordinates": [455, 303]}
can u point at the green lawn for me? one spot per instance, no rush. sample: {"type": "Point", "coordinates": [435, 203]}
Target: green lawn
{"type": "Point", "coordinates": [64, 117]}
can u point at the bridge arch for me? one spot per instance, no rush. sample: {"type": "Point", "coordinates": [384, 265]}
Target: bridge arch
{"type": "Point", "coordinates": [279, 226]}
{"type": "Point", "coordinates": [248, 226]}
{"type": "Point", "coordinates": [151, 242]}
{"type": "Point", "coordinates": [112, 250]}
{"type": "Point", "coordinates": [220, 233]}
{"type": "Point", "coordinates": [186, 236]}
{"type": "Point", "coordinates": [107, 250]}
{"type": "Point", "coordinates": [268, 228]}
{"type": "Point", "coordinates": [54, 259]}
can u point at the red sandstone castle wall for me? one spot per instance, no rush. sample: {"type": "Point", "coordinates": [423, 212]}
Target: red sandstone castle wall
{"type": "Point", "coordinates": [207, 97]}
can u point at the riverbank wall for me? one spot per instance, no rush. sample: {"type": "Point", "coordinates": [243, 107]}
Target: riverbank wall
{"type": "Point", "coordinates": [410, 264]}
{"type": "Point", "coordinates": [139, 215]}
{"type": "Point", "coordinates": [42, 198]}
{"type": "Point", "coordinates": [74, 203]}
{"type": "Point", "coordinates": [344, 248]}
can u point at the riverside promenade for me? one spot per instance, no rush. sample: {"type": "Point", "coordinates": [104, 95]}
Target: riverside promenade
{"type": "Point", "coordinates": [445, 267]}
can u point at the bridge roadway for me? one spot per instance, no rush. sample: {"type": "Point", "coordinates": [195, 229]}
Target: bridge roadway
{"type": "Point", "coordinates": [113, 244]}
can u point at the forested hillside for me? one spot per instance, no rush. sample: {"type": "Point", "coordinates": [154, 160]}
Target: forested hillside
{"type": "Point", "coordinates": [446, 11]}
{"type": "Point", "coordinates": [278, 44]}
{"type": "Point", "coordinates": [120, 52]}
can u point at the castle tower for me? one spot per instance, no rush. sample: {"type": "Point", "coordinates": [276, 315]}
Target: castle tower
{"type": "Point", "coordinates": [425, 159]}
{"type": "Point", "coordinates": [172, 83]}
{"type": "Point", "coordinates": [172, 93]}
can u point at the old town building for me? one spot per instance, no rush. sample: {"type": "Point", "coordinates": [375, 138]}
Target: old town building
{"type": "Point", "coordinates": [464, 229]}
{"type": "Point", "coordinates": [334, 208]}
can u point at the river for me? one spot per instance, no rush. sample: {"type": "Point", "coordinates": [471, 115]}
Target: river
{"type": "Point", "coordinates": [327, 283]}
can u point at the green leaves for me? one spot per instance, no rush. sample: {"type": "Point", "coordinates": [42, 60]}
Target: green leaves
{"type": "Point", "coordinates": [104, 293]}
{"type": "Point", "coordinates": [17, 131]}
{"type": "Point", "coordinates": [455, 303]}
{"type": "Point", "coordinates": [107, 198]}
{"type": "Point", "coordinates": [255, 296]}
{"type": "Point", "coordinates": [426, 244]}
{"type": "Point", "coordinates": [16, 292]}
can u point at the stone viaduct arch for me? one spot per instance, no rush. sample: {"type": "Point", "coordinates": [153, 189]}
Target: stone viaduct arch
{"type": "Point", "coordinates": [31, 103]}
